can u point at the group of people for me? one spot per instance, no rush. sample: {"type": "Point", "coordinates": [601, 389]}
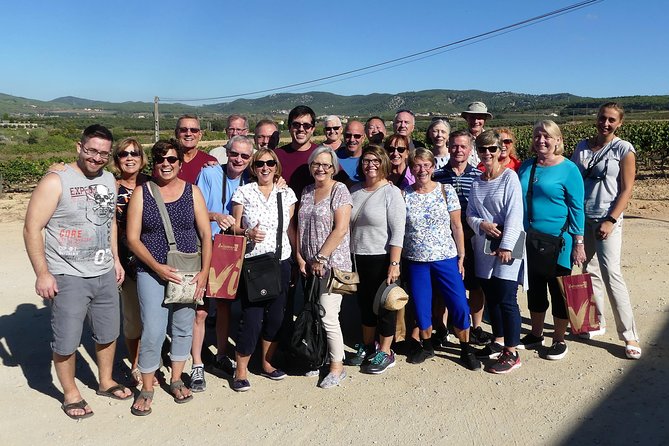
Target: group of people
{"type": "Point", "coordinates": [446, 222]}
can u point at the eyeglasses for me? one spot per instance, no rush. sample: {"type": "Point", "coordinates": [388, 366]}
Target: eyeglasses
{"type": "Point", "coordinates": [371, 162]}
{"type": "Point", "coordinates": [491, 149]}
{"type": "Point", "coordinates": [297, 125]}
{"type": "Point", "coordinates": [160, 159]}
{"type": "Point", "coordinates": [125, 154]}
{"type": "Point", "coordinates": [425, 166]}
{"type": "Point", "coordinates": [324, 166]}
{"type": "Point", "coordinates": [95, 153]}
{"type": "Point", "coordinates": [392, 149]}
{"type": "Point", "coordinates": [332, 129]}
{"type": "Point", "coordinates": [193, 130]}
{"type": "Point", "coordinates": [259, 164]}
{"type": "Point", "coordinates": [507, 141]}
{"type": "Point", "coordinates": [234, 130]}
{"type": "Point", "coordinates": [352, 135]}
{"type": "Point", "coordinates": [233, 154]}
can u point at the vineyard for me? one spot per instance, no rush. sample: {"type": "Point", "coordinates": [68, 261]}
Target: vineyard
{"type": "Point", "coordinates": [26, 154]}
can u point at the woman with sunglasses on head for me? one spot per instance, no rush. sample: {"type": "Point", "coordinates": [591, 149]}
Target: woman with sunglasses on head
{"type": "Point", "coordinates": [377, 234]}
{"type": "Point", "coordinates": [256, 211]}
{"type": "Point", "coordinates": [323, 243]}
{"type": "Point", "coordinates": [147, 239]}
{"type": "Point", "coordinates": [495, 211]}
{"type": "Point", "coordinates": [397, 147]}
{"type": "Point", "coordinates": [332, 130]}
{"type": "Point", "coordinates": [507, 155]}
{"type": "Point", "coordinates": [437, 135]}
{"type": "Point", "coordinates": [557, 210]}
{"type": "Point", "coordinates": [607, 164]}
{"type": "Point", "coordinates": [129, 160]}
{"type": "Point", "coordinates": [434, 249]}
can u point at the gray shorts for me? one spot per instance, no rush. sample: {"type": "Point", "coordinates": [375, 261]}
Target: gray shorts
{"type": "Point", "coordinates": [93, 298]}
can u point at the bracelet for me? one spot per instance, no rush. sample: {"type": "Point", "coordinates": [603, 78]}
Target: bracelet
{"type": "Point", "coordinates": [578, 241]}
{"type": "Point", "coordinates": [246, 232]}
{"type": "Point", "coordinates": [394, 263]}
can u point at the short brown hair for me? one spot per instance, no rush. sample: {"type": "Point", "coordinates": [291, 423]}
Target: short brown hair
{"type": "Point", "coordinates": [123, 144]}
{"type": "Point", "coordinates": [257, 155]}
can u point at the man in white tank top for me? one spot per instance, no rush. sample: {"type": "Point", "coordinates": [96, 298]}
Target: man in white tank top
{"type": "Point", "coordinates": [76, 263]}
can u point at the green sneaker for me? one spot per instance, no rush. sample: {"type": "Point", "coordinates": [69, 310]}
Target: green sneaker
{"type": "Point", "coordinates": [362, 352]}
{"type": "Point", "coordinates": [379, 363]}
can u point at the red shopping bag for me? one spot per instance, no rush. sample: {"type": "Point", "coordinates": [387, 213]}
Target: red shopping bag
{"type": "Point", "coordinates": [579, 297]}
{"type": "Point", "coordinates": [226, 265]}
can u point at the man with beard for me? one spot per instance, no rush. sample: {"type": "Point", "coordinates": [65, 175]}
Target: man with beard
{"type": "Point", "coordinates": [77, 264]}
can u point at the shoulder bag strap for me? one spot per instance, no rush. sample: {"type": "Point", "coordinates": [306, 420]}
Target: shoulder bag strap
{"type": "Point", "coordinates": [279, 228]}
{"type": "Point", "coordinates": [167, 223]}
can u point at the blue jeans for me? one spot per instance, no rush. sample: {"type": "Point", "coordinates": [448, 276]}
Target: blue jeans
{"type": "Point", "coordinates": [155, 316]}
{"type": "Point", "coordinates": [502, 304]}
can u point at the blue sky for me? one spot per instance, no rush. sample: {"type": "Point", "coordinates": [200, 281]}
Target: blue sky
{"type": "Point", "coordinates": [132, 51]}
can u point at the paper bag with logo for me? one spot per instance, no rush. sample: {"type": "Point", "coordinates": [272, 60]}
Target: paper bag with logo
{"type": "Point", "coordinates": [226, 265]}
{"type": "Point", "coordinates": [578, 294]}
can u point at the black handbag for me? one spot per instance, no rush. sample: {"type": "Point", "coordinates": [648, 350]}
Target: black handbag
{"type": "Point", "coordinates": [262, 274]}
{"type": "Point", "coordinates": [308, 343]}
{"type": "Point", "coordinates": [543, 250]}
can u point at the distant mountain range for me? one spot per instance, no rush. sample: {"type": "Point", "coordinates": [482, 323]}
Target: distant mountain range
{"type": "Point", "coordinates": [426, 101]}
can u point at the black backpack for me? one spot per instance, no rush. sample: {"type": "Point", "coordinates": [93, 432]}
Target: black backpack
{"type": "Point", "coordinates": [309, 342]}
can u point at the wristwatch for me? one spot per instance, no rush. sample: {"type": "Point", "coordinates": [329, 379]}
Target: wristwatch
{"type": "Point", "coordinates": [611, 219]}
{"type": "Point", "coordinates": [321, 259]}
{"type": "Point", "coordinates": [393, 263]}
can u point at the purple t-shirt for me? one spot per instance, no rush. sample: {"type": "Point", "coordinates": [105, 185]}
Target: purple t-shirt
{"type": "Point", "coordinates": [315, 222]}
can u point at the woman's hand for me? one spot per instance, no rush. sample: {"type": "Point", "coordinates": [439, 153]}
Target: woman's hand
{"type": "Point", "coordinates": [604, 230]}
{"type": "Point", "coordinates": [578, 254]}
{"type": "Point", "coordinates": [317, 268]}
{"type": "Point", "coordinates": [490, 229]}
{"type": "Point", "coordinates": [200, 280]}
{"type": "Point", "coordinates": [256, 234]}
{"type": "Point", "coordinates": [166, 272]}
{"type": "Point", "coordinates": [504, 255]}
{"type": "Point", "coordinates": [302, 265]}
{"type": "Point", "coordinates": [393, 274]}
{"type": "Point", "coordinates": [461, 266]}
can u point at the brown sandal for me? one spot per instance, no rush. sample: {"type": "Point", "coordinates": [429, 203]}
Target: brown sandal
{"type": "Point", "coordinates": [145, 395]}
{"type": "Point", "coordinates": [178, 386]}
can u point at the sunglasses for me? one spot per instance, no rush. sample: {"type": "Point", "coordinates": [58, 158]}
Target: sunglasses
{"type": "Point", "coordinates": [297, 125]}
{"type": "Point", "coordinates": [352, 135]}
{"type": "Point", "coordinates": [186, 129]}
{"type": "Point", "coordinates": [332, 129]}
{"type": "Point", "coordinates": [160, 159]}
{"type": "Point", "coordinates": [491, 149]}
{"type": "Point", "coordinates": [244, 156]}
{"type": "Point", "coordinates": [125, 154]}
{"type": "Point", "coordinates": [259, 164]}
{"type": "Point", "coordinates": [507, 141]}
{"type": "Point", "coordinates": [392, 149]}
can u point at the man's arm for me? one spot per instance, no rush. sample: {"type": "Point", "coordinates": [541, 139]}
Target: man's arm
{"type": "Point", "coordinates": [41, 207]}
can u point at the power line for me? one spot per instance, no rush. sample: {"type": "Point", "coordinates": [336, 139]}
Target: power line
{"type": "Point", "coordinates": [413, 57]}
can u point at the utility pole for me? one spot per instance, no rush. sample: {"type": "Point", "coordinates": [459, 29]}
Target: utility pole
{"type": "Point", "coordinates": [156, 121]}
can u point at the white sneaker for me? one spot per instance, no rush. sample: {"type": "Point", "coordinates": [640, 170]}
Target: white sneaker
{"type": "Point", "coordinates": [592, 334]}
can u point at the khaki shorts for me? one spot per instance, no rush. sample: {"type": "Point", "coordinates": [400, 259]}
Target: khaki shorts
{"type": "Point", "coordinates": [92, 298]}
{"type": "Point", "coordinates": [132, 321]}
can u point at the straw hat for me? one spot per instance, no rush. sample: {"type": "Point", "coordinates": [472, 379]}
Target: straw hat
{"type": "Point", "coordinates": [476, 108]}
{"type": "Point", "coordinates": [392, 297]}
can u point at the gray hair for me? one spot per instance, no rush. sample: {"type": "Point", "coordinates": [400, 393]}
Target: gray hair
{"type": "Point", "coordinates": [325, 149]}
{"type": "Point", "coordinates": [241, 139]}
{"type": "Point", "coordinates": [333, 118]}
